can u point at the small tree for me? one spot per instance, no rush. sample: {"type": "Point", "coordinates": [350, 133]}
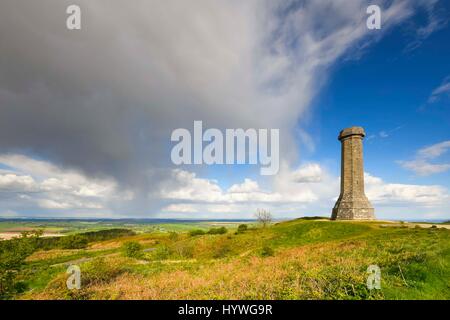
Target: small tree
{"type": "Point", "coordinates": [263, 216]}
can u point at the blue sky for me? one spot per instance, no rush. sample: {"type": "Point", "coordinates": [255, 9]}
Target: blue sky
{"type": "Point", "coordinates": [87, 115]}
{"type": "Point", "coordinates": [387, 91]}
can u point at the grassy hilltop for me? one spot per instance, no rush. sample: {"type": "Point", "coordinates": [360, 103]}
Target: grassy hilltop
{"type": "Point", "coordinates": [300, 259]}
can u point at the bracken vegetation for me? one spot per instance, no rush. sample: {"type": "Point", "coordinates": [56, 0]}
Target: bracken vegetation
{"type": "Point", "coordinates": [300, 259]}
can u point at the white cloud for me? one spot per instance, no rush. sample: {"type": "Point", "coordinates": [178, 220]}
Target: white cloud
{"type": "Point", "coordinates": [180, 208]}
{"type": "Point", "coordinates": [435, 21]}
{"type": "Point", "coordinates": [442, 90]}
{"type": "Point", "coordinates": [421, 164]}
{"type": "Point", "coordinates": [435, 150]}
{"type": "Point", "coordinates": [46, 186]}
{"type": "Point", "coordinates": [288, 198]}
{"type": "Point", "coordinates": [384, 134]}
{"type": "Point", "coordinates": [69, 202]}
{"type": "Point", "coordinates": [424, 168]}
{"type": "Point", "coordinates": [383, 193]}
{"type": "Point", "coordinates": [205, 211]}
{"type": "Point", "coordinates": [247, 186]}
{"type": "Point", "coordinates": [186, 186]}
{"type": "Point", "coordinates": [308, 173]}
{"type": "Point", "coordinates": [15, 183]}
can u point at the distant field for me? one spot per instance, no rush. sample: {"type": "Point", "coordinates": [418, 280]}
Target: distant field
{"type": "Point", "coordinates": [78, 226]}
{"type": "Point", "coordinates": [300, 259]}
{"type": "Point", "coordinates": [12, 234]}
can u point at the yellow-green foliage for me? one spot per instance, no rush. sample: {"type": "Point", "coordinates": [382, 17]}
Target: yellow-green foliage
{"type": "Point", "coordinates": [132, 249]}
{"type": "Point", "coordinates": [301, 259]}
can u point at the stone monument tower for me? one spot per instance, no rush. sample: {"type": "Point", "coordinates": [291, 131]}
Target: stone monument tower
{"type": "Point", "coordinates": [352, 203]}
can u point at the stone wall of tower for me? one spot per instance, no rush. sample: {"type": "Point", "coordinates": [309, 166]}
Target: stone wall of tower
{"type": "Point", "coordinates": [352, 203]}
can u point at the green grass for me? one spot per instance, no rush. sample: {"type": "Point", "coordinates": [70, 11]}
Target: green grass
{"type": "Point", "coordinates": [38, 278]}
{"type": "Point", "coordinates": [300, 232]}
{"type": "Point", "coordinates": [80, 254]}
{"type": "Point", "coordinates": [299, 259]}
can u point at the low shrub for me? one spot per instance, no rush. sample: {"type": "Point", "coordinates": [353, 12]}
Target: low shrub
{"type": "Point", "coordinates": [73, 242]}
{"type": "Point", "coordinates": [162, 252]}
{"type": "Point", "coordinates": [221, 250]}
{"type": "Point", "coordinates": [242, 228]}
{"type": "Point", "coordinates": [173, 236]}
{"type": "Point", "coordinates": [267, 251]}
{"type": "Point", "coordinates": [196, 232]}
{"type": "Point", "coordinates": [132, 249]}
{"type": "Point", "coordinates": [221, 230]}
{"type": "Point", "coordinates": [99, 271]}
{"type": "Point", "coordinates": [81, 240]}
{"type": "Point", "coordinates": [184, 250]}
